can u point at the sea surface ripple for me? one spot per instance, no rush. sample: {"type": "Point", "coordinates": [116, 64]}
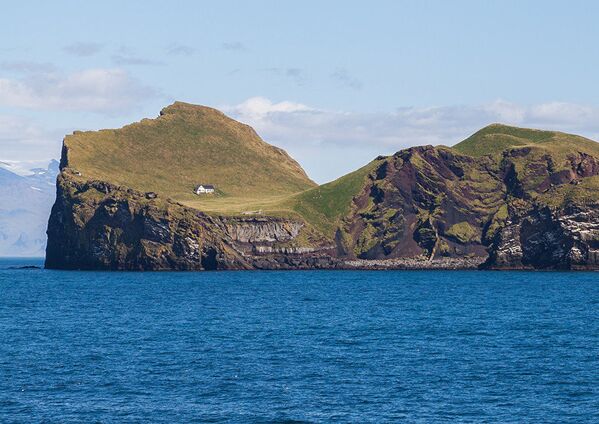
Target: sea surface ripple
{"type": "Point", "coordinates": [304, 346]}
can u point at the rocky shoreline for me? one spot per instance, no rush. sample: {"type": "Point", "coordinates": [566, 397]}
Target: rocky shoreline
{"type": "Point", "coordinates": [423, 263]}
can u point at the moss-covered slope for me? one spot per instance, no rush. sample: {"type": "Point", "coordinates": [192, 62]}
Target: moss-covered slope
{"type": "Point", "coordinates": [496, 138]}
{"type": "Point", "coordinates": [185, 146]}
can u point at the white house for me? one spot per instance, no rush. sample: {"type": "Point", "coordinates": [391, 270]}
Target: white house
{"type": "Point", "coordinates": [204, 189]}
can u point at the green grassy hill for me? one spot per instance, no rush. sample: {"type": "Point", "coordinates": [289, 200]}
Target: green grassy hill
{"type": "Point", "coordinates": [495, 138]}
{"type": "Point", "coordinates": [560, 147]}
{"type": "Point", "coordinates": [187, 145]}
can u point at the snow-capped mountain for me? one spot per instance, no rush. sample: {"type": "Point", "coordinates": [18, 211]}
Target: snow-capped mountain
{"type": "Point", "coordinates": [25, 203]}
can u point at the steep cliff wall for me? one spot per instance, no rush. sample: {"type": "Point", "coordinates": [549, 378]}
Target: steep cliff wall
{"type": "Point", "coordinates": [424, 201]}
{"type": "Point", "coordinates": [97, 225]}
{"type": "Point", "coordinates": [426, 207]}
{"type": "Point", "coordinates": [539, 237]}
{"type": "Point", "coordinates": [525, 208]}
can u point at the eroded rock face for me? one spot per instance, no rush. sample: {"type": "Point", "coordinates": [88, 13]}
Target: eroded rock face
{"type": "Point", "coordinates": [425, 201]}
{"type": "Point", "coordinates": [95, 225]}
{"type": "Point", "coordinates": [252, 230]}
{"type": "Point", "coordinates": [538, 237]}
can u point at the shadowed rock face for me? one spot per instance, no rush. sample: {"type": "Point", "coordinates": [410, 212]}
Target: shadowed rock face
{"type": "Point", "coordinates": [433, 202]}
{"type": "Point", "coordinates": [425, 201]}
{"type": "Point", "coordinates": [96, 225]}
{"type": "Point", "coordinates": [540, 238]}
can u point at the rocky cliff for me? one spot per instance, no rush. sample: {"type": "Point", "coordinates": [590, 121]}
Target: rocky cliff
{"type": "Point", "coordinates": [97, 225]}
{"type": "Point", "coordinates": [538, 237]}
{"type": "Point", "coordinates": [523, 209]}
{"type": "Point", "coordinates": [531, 204]}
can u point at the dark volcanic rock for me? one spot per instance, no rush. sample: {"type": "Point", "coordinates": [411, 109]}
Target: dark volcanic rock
{"type": "Point", "coordinates": [425, 201]}
{"type": "Point", "coordinates": [95, 225]}
{"type": "Point", "coordinates": [433, 203]}
{"type": "Point", "coordinates": [538, 237]}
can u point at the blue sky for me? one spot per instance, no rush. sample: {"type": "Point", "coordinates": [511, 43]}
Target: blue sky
{"type": "Point", "coordinates": [334, 83]}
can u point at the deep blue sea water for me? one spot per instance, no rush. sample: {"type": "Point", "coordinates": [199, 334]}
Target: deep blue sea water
{"type": "Point", "coordinates": [314, 346]}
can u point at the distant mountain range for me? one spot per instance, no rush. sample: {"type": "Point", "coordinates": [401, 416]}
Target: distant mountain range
{"type": "Point", "coordinates": [25, 203]}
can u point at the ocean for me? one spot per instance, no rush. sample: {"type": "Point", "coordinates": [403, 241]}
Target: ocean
{"type": "Point", "coordinates": [299, 346]}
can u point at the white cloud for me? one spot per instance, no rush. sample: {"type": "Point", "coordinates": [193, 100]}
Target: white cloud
{"type": "Point", "coordinates": [328, 135]}
{"type": "Point", "coordinates": [259, 108]}
{"type": "Point", "coordinates": [96, 90]}
{"type": "Point", "coordinates": [506, 111]}
{"type": "Point", "coordinates": [22, 140]}
{"type": "Point", "coordinates": [567, 114]}
{"type": "Point", "coordinates": [293, 123]}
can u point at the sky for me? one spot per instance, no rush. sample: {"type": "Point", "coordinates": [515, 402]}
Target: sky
{"type": "Point", "coordinates": [334, 83]}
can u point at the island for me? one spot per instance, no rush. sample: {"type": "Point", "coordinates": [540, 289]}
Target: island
{"type": "Point", "coordinates": [504, 198]}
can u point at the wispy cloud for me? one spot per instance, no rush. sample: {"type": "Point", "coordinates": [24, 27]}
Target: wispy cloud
{"type": "Point", "coordinates": [177, 49]}
{"type": "Point", "coordinates": [408, 126]}
{"type": "Point", "coordinates": [342, 76]}
{"type": "Point", "coordinates": [125, 56]}
{"type": "Point", "coordinates": [234, 46]}
{"type": "Point", "coordinates": [129, 60]}
{"type": "Point", "coordinates": [22, 139]}
{"type": "Point", "coordinates": [107, 91]}
{"type": "Point", "coordinates": [83, 49]}
{"type": "Point", "coordinates": [28, 67]}
{"type": "Point", "coordinates": [297, 75]}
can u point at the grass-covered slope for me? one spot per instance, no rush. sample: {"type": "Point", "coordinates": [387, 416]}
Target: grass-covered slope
{"type": "Point", "coordinates": [187, 145]}
{"type": "Point", "coordinates": [496, 138]}
{"type": "Point", "coordinates": [544, 162]}
{"type": "Point", "coordinates": [324, 206]}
